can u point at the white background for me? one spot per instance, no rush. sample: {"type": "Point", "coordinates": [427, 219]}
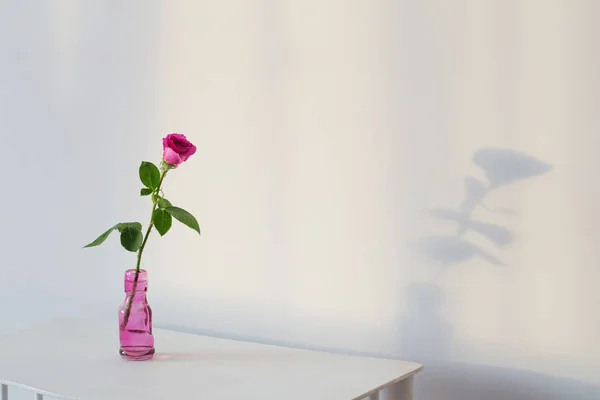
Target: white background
{"type": "Point", "coordinates": [328, 134]}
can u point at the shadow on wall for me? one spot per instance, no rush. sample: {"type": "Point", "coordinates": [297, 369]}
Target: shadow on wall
{"type": "Point", "coordinates": [501, 167]}
{"type": "Point", "coordinates": [424, 334]}
{"type": "Point", "coordinates": [426, 337]}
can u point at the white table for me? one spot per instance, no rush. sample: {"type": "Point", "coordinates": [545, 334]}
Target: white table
{"type": "Point", "coordinates": [76, 359]}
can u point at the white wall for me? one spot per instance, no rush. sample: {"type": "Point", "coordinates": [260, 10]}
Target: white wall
{"type": "Point", "coordinates": [335, 139]}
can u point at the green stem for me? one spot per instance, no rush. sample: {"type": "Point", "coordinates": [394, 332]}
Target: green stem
{"type": "Point", "coordinates": [141, 250]}
{"type": "Point", "coordinates": [150, 226]}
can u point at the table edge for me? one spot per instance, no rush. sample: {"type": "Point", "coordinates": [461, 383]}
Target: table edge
{"type": "Point", "coordinates": [43, 392]}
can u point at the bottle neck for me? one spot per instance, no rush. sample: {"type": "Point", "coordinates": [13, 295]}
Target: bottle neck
{"type": "Point", "coordinates": [137, 299]}
{"type": "Point", "coordinates": [138, 293]}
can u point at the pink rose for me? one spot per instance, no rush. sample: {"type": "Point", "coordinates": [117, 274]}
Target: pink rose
{"type": "Point", "coordinates": [177, 149]}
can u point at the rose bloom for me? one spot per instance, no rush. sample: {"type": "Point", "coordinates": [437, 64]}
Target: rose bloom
{"type": "Point", "coordinates": [177, 149]}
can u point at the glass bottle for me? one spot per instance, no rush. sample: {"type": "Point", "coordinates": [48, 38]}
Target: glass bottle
{"type": "Point", "coordinates": [135, 325]}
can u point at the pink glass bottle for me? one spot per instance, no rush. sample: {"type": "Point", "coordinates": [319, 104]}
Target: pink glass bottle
{"type": "Point", "coordinates": [137, 342]}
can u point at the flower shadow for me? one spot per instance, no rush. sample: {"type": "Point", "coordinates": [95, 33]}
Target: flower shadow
{"type": "Point", "coordinates": [452, 250]}
{"type": "Point", "coordinates": [504, 166]}
{"type": "Point", "coordinates": [501, 167]}
{"type": "Point", "coordinates": [424, 333]}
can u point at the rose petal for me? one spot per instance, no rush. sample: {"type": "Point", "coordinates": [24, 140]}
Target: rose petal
{"type": "Point", "coordinates": [189, 152]}
{"type": "Point", "coordinates": [171, 157]}
{"type": "Point", "coordinates": [177, 136]}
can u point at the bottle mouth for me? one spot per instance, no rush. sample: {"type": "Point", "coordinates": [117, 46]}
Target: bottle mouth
{"type": "Point", "coordinates": [132, 271]}
{"type": "Point", "coordinates": [130, 274]}
{"type": "Point", "coordinates": [142, 280]}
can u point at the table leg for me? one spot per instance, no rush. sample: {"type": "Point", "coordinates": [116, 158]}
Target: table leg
{"type": "Point", "coordinates": [374, 396]}
{"type": "Point", "coordinates": [3, 392]}
{"type": "Point", "coordinates": [403, 390]}
{"type": "Point", "coordinates": [39, 396]}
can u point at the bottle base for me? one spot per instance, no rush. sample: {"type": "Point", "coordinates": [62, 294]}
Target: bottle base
{"type": "Point", "coordinates": [135, 353]}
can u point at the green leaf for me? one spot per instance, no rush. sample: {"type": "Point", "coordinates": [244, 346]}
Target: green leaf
{"type": "Point", "coordinates": [132, 225]}
{"type": "Point", "coordinates": [184, 217]}
{"type": "Point", "coordinates": [162, 221]}
{"type": "Point", "coordinates": [149, 175]}
{"type": "Point", "coordinates": [145, 191]}
{"type": "Point", "coordinates": [120, 226]}
{"type": "Point", "coordinates": [131, 238]}
{"type": "Point", "coordinates": [101, 238]}
{"type": "Point", "coordinates": [164, 203]}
